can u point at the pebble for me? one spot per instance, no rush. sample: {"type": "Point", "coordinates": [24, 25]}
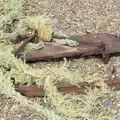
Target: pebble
{"type": "Point", "coordinates": [108, 104]}
{"type": "Point", "coordinates": [118, 105]}
{"type": "Point", "coordinates": [118, 114]}
{"type": "Point", "coordinates": [35, 117]}
{"type": "Point", "coordinates": [19, 116]}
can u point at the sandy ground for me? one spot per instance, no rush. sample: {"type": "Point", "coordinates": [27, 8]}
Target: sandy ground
{"type": "Point", "coordinates": [79, 16]}
{"type": "Point", "coordinates": [70, 17]}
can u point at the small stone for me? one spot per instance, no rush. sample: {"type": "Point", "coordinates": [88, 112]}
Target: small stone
{"type": "Point", "coordinates": [108, 104]}
{"type": "Point", "coordinates": [19, 116]}
{"type": "Point", "coordinates": [118, 105]}
{"type": "Point", "coordinates": [114, 111]}
{"type": "Point", "coordinates": [88, 31]}
{"type": "Point", "coordinates": [118, 114]}
{"type": "Point", "coordinates": [35, 116]}
{"type": "Point", "coordinates": [91, 114]}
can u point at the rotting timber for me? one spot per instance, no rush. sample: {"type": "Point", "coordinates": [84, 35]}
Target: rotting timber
{"type": "Point", "coordinates": [35, 91]}
{"type": "Point", "coordinates": [90, 44]}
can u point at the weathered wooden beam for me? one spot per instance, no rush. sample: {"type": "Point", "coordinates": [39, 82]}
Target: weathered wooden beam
{"type": "Point", "coordinates": [35, 91]}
